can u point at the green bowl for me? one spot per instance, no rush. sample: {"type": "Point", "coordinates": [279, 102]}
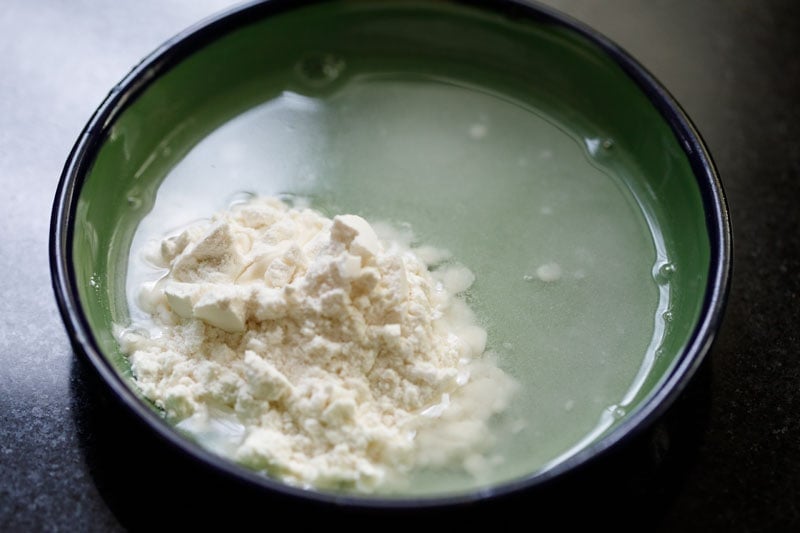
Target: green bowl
{"type": "Point", "coordinates": [540, 154]}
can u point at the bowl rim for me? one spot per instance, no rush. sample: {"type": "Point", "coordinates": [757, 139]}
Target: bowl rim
{"type": "Point", "coordinates": [185, 43]}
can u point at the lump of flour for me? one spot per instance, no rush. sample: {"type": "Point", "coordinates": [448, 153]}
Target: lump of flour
{"type": "Point", "coordinates": [310, 349]}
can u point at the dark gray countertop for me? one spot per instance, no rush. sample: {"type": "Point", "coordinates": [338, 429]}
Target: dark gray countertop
{"type": "Point", "coordinates": [727, 458]}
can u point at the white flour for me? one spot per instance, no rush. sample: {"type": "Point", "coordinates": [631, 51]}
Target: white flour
{"type": "Point", "coordinates": [310, 349]}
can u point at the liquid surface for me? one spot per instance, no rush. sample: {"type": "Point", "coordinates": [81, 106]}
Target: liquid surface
{"type": "Point", "coordinates": [563, 254]}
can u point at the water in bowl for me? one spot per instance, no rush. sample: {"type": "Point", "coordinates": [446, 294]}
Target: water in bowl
{"type": "Point", "coordinates": [571, 271]}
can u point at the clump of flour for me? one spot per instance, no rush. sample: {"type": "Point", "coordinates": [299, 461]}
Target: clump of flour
{"type": "Point", "coordinates": [311, 349]}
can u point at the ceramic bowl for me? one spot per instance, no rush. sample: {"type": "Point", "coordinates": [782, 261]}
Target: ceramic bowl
{"type": "Point", "coordinates": [539, 153]}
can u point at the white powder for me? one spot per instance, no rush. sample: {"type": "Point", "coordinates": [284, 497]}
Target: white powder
{"type": "Point", "coordinates": [549, 272]}
{"type": "Point", "coordinates": [312, 350]}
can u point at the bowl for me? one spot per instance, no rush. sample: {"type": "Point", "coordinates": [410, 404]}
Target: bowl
{"type": "Point", "coordinates": [533, 149]}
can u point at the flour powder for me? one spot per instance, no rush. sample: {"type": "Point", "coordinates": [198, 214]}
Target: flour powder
{"type": "Point", "coordinates": [310, 349]}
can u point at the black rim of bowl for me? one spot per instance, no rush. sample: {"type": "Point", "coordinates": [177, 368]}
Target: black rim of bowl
{"type": "Point", "coordinates": [179, 47]}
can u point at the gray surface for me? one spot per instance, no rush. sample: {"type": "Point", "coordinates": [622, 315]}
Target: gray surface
{"type": "Point", "coordinates": [732, 64]}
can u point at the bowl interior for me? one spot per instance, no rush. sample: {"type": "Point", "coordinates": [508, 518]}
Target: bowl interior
{"type": "Point", "coordinates": [512, 141]}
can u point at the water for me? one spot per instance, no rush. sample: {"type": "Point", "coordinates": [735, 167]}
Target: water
{"type": "Point", "coordinates": [571, 276]}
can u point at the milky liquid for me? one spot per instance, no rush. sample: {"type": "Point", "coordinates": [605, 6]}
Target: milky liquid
{"type": "Point", "coordinates": [563, 254]}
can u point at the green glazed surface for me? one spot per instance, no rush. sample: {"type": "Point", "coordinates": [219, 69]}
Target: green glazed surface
{"type": "Point", "coordinates": [547, 70]}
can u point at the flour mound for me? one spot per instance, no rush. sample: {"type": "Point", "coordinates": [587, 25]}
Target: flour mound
{"type": "Point", "coordinates": [308, 348]}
